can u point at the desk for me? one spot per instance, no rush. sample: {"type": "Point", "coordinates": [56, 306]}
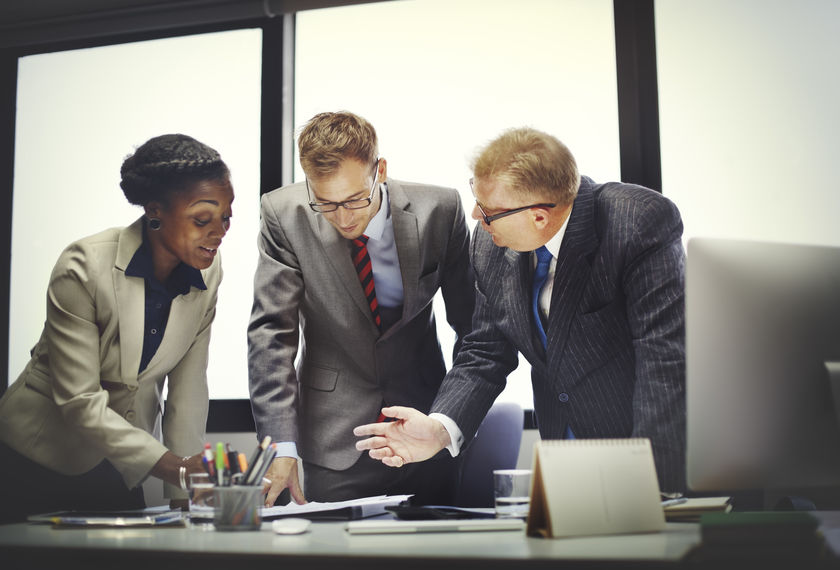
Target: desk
{"type": "Point", "coordinates": [328, 546]}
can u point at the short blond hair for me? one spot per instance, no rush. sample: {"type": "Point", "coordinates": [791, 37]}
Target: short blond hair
{"type": "Point", "coordinates": [329, 138]}
{"type": "Point", "coordinates": [533, 164]}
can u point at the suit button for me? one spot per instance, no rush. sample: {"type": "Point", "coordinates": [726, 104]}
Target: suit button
{"type": "Point", "coordinates": [129, 415]}
{"type": "Point", "coordinates": [132, 387]}
{"type": "Point", "coordinates": [563, 397]}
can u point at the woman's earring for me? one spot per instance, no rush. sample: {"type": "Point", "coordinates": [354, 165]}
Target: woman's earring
{"type": "Point", "coordinates": [154, 223]}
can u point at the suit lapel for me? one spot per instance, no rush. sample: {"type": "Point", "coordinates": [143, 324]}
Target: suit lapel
{"type": "Point", "coordinates": [571, 274]}
{"type": "Point", "coordinates": [337, 253]}
{"type": "Point", "coordinates": [130, 294]}
{"type": "Point", "coordinates": [519, 301]}
{"type": "Point", "coordinates": [407, 238]}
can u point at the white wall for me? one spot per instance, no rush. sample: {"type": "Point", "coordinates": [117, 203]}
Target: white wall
{"type": "Point", "coordinates": [749, 116]}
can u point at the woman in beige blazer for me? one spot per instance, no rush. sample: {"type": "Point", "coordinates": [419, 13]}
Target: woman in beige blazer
{"type": "Point", "coordinates": [127, 308]}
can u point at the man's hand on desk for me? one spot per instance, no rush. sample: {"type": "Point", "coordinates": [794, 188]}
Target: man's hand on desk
{"type": "Point", "coordinates": [283, 473]}
{"type": "Point", "coordinates": [411, 437]}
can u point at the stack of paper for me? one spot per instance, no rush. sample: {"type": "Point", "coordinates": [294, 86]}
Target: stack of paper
{"type": "Point", "coordinates": [340, 510]}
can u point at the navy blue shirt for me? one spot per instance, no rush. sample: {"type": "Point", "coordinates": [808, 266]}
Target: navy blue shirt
{"type": "Point", "coordinates": [159, 296]}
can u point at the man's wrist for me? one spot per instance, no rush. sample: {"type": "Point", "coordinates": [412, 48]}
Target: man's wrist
{"type": "Point", "coordinates": [453, 438]}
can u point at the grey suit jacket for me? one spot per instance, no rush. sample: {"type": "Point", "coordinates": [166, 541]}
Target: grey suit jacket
{"type": "Point", "coordinates": [615, 359]}
{"type": "Point", "coordinates": [305, 281]}
{"type": "Point", "coordinates": [80, 399]}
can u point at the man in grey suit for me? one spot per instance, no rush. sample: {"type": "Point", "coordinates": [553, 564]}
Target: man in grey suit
{"type": "Point", "coordinates": [352, 260]}
{"type": "Point", "coordinates": [606, 335]}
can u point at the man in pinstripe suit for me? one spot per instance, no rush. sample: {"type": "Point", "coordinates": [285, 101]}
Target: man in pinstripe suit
{"type": "Point", "coordinates": [606, 339]}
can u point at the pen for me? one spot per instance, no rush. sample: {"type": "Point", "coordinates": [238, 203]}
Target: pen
{"type": "Point", "coordinates": [233, 460]}
{"type": "Point", "coordinates": [207, 460]}
{"type": "Point", "coordinates": [672, 502]}
{"type": "Point", "coordinates": [269, 456]}
{"type": "Point", "coordinates": [220, 463]}
{"type": "Point", "coordinates": [228, 470]}
{"type": "Point", "coordinates": [256, 459]}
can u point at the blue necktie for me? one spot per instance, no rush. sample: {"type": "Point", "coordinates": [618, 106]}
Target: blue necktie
{"type": "Point", "coordinates": [540, 275]}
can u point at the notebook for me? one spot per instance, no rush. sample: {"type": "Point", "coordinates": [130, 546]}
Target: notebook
{"type": "Point", "coordinates": [585, 487]}
{"type": "Point", "coordinates": [390, 526]}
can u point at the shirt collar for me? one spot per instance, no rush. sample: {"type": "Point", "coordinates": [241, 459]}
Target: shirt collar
{"type": "Point", "coordinates": [553, 245]}
{"type": "Point", "coordinates": [376, 227]}
{"type": "Point", "coordinates": [182, 278]}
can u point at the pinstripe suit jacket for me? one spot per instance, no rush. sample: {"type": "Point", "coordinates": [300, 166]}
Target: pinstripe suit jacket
{"type": "Point", "coordinates": [615, 359]}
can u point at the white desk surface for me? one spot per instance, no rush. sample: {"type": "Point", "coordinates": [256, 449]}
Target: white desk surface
{"type": "Point", "coordinates": [328, 541]}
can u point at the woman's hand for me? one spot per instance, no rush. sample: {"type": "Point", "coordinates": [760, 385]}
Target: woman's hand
{"type": "Point", "coordinates": [169, 467]}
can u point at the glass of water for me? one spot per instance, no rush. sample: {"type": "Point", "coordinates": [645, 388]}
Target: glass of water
{"type": "Point", "coordinates": [201, 499]}
{"type": "Point", "coordinates": [511, 489]}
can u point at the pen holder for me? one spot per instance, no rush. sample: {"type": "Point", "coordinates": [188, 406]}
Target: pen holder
{"type": "Point", "coordinates": [238, 507]}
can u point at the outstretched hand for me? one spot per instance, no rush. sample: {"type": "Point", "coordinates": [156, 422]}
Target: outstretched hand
{"type": "Point", "coordinates": [411, 437]}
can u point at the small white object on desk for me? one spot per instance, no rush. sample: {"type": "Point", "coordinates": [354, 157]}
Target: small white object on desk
{"type": "Point", "coordinates": [290, 526]}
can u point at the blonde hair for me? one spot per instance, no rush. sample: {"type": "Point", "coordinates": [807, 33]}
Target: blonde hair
{"type": "Point", "coordinates": [329, 138]}
{"type": "Point", "coordinates": [532, 164]}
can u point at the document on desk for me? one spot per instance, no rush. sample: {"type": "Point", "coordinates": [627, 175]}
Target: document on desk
{"type": "Point", "coordinates": [592, 487]}
{"type": "Point", "coordinates": [140, 517]}
{"type": "Point", "coordinates": [342, 510]}
{"type": "Point", "coordinates": [385, 526]}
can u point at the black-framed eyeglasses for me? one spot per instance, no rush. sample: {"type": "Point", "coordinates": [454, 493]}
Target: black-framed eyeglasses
{"type": "Point", "coordinates": [356, 204]}
{"type": "Point", "coordinates": [489, 219]}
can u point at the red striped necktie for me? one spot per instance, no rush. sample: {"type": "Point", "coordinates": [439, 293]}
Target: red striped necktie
{"type": "Point", "coordinates": [361, 260]}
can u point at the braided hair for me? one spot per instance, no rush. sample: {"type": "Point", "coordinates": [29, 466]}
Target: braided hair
{"type": "Point", "coordinates": [167, 164]}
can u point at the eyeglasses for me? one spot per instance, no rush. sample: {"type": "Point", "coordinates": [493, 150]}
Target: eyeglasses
{"type": "Point", "coordinates": [356, 204]}
{"type": "Point", "coordinates": [488, 219]}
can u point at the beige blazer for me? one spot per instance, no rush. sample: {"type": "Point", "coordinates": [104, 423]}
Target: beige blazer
{"type": "Point", "coordinates": [80, 400]}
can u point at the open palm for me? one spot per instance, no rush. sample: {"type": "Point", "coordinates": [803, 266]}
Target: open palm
{"type": "Point", "coordinates": [411, 437]}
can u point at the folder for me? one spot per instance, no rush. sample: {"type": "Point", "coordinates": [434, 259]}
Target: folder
{"type": "Point", "coordinates": [135, 518]}
{"type": "Point", "coordinates": [586, 487]}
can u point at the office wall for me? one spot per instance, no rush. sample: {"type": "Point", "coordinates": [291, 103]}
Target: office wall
{"type": "Point", "coordinates": [749, 120]}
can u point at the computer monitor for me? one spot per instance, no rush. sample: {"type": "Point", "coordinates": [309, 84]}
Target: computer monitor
{"type": "Point", "coordinates": [763, 365]}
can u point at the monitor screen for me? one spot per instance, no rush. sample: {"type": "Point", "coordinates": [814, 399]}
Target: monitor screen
{"type": "Point", "coordinates": [762, 340]}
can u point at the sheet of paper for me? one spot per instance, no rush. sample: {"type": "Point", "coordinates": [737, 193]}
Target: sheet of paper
{"type": "Point", "coordinates": [367, 503]}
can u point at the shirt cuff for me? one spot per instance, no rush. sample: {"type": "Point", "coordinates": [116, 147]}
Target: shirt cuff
{"type": "Point", "coordinates": [286, 449]}
{"type": "Point", "coordinates": [456, 436]}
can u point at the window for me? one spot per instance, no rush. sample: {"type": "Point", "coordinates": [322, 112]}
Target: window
{"type": "Point", "coordinates": [439, 79]}
{"type": "Point", "coordinates": [80, 113]}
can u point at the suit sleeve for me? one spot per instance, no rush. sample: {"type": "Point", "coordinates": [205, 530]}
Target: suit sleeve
{"type": "Point", "coordinates": [273, 331]}
{"type": "Point", "coordinates": [74, 365]}
{"type": "Point", "coordinates": [654, 287]}
{"type": "Point", "coordinates": [480, 370]}
{"type": "Point", "coordinates": [457, 285]}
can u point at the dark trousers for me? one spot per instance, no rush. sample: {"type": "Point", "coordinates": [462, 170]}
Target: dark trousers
{"type": "Point", "coordinates": [28, 488]}
{"type": "Point", "coordinates": [432, 482]}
